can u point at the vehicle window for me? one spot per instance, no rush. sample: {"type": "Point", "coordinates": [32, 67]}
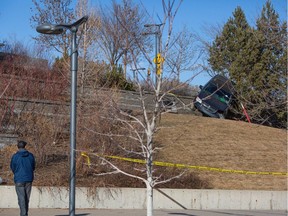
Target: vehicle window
{"type": "Point", "coordinates": [219, 94]}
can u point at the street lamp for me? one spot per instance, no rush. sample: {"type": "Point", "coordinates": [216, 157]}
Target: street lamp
{"type": "Point", "coordinates": [136, 70]}
{"type": "Point", "coordinates": [59, 29]}
{"type": "Point", "coordinates": [157, 43]}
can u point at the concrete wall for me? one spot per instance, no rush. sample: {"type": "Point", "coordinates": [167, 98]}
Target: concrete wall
{"type": "Point", "coordinates": [135, 198]}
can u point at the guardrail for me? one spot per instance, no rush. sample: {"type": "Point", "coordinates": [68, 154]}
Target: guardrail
{"type": "Point", "coordinates": [127, 100]}
{"type": "Point", "coordinates": [7, 139]}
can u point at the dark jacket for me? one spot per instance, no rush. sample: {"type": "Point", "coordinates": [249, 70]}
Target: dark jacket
{"type": "Point", "coordinates": [23, 166]}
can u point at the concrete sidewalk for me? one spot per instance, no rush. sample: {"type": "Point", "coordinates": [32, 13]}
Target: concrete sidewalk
{"type": "Point", "coordinates": [123, 212]}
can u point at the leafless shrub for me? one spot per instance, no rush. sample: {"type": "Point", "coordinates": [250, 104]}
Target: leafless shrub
{"type": "Point", "coordinates": [29, 95]}
{"type": "Point", "coordinates": [42, 132]}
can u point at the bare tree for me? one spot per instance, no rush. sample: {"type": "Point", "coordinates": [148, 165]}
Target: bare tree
{"type": "Point", "coordinates": [28, 88]}
{"type": "Point", "coordinates": [132, 19]}
{"type": "Point", "coordinates": [120, 26]}
{"type": "Point", "coordinates": [183, 54]}
{"type": "Point", "coordinates": [87, 40]}
{"type": "Point", "coordinates": [54, 12]}
{"type": "Point", "coordinates": [57, 12]}
{"type": "Point", "coordinates": [135, 131]}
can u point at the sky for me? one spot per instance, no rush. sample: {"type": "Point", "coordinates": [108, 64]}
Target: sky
{"type": "Point", "coordinates": [195, 14]}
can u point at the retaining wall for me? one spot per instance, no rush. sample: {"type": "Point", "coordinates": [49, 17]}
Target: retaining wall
{"type": "Point", "coordinates": [135, 198]}
{"type": "Point", "coordinates": [7, 139]}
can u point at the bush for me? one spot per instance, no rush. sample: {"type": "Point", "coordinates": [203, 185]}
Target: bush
{"type": "Point", "coordinates": [115, 79]}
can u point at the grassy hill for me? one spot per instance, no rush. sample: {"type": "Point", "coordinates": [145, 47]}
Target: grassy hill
{"type": "Point", "coordinates": [192, 140]}
{"type": "Point", "coordinates": [226, 144]}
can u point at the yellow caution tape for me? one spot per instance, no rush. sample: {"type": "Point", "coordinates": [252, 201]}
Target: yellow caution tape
{"type": "Point", "coordinates": [157, 163]}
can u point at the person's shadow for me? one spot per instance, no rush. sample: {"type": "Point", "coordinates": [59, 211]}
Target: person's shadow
{"type": "Point", "coordinates": [182, 214]}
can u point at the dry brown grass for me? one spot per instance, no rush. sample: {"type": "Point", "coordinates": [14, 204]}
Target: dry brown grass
{"type": "Point", "coordinates": [190, 140]}
{"type": "Point", "coordinates": [227, 144]}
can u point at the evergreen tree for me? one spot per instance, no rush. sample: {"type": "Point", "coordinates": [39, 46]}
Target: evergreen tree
{"type": "Point", "coordinates": [226, 47]}
{"type": "Point", "coordinates": [255, 59]}
{"type": "Point", "coordinates": [273, 65]}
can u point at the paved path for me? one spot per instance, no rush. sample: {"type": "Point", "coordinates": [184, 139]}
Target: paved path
{"type": "Point", "coordinates": [97, 212]}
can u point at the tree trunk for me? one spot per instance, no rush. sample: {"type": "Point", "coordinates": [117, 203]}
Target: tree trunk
{"type": "Point", "coordinates": [149, 201]}
{"type": "Point", "coordinates": [149, 182]}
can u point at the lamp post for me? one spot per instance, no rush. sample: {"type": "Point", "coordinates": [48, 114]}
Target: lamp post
{"type": "Point", "coordinates": [157, 44]}
{"type": "Point", "coordinates": [59, 29]}
{"type": "Point", "coordinates": [136, 70]}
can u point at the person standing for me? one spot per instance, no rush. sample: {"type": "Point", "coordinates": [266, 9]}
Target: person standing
{"type": "Point", "coordinates": [23, 165]}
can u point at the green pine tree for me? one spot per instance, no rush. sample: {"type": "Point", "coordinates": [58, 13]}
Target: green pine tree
{"type": "Point", "coordinates": [255, 59]}
{"type": "Point", "coordinates": [226, 47]}
{"type": "Point", "coordinates": [274, 65]}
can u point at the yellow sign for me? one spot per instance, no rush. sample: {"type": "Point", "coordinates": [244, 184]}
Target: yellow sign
{"type": "Point", "coordinates": [158, 61]}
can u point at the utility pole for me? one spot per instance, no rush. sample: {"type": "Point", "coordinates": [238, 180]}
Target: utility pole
{"type": "Point", "coordinates": [158, 59]}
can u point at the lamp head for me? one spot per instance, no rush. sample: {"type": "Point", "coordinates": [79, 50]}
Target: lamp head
{"type": "Point", "coordinates": [59, 28]}
{"type": "Point", "coordinates": [153, 25]}
{"type": "Point", "coordinates": [49, 29]}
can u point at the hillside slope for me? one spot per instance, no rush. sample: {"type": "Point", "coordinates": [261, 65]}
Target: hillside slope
{"type": "Point", "coordinates": [226, 144]}
{"type": "Point", "coordinates": [191, 140]}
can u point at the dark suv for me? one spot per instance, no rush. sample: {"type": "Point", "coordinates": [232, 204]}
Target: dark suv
{"type": "Point", "coordinates": [215, 97]}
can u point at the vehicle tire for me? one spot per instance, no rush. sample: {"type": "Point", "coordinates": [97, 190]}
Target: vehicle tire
{"type": "Point", "coordinates": [196, 112]}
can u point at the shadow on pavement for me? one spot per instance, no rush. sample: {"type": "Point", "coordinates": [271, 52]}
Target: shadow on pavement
{"type": "Point", "coordinates": [82, 214]}
{"type": "Point", "coordinates": [184, 214]}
